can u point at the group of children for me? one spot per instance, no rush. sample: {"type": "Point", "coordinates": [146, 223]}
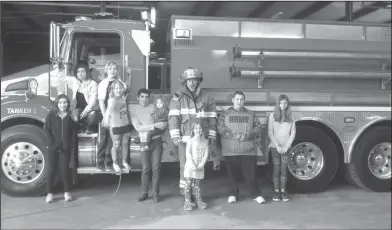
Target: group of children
{"type": "Point", "coordinates": [61, 132]}
{"type": "Point", "coordinates": [62, 123]}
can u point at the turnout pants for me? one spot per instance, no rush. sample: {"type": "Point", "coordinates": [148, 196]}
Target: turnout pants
{"type": "Point", "coordinates": [182, 158]}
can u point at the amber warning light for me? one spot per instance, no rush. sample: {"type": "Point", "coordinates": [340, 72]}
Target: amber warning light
{"type": "Point", "coordinates": [349, 120]}
{"type": "Point", "coordinates": [183, 33]}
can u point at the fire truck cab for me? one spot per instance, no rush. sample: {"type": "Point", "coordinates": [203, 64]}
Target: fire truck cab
{"type": "Point", "coordinates": [337, 76]}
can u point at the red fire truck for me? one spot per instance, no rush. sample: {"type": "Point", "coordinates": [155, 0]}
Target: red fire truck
{"type": "Point", "coordinates": [336, 74]}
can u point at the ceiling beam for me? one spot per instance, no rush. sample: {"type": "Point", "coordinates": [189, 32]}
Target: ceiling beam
{"type": "Point", "coordinates": [60, 12]}
{"type": "Point", "coordinates": [365, 11]}
{"type": "Point", "coordinates": [349, 6]}
{"type": "Point", "coordinates": [315, 7]}
{"type": "Point", "coordinates": [137, 6]}
{"type": "Point", "coordinates": [258, 11]}
{"type": "Point", "coordinates": [30, 22]}
{"type": "Point", "coordinates": [214, 8]}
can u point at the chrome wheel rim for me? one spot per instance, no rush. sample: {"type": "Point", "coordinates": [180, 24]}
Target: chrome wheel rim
{"type": "Point", "coordinates": [379, 160]}
{"type": "Point", "coordinates": [306, 161]}
{"type": "Point", "coordinates": [22, 162]}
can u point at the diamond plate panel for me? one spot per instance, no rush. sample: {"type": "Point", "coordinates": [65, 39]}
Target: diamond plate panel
{"type": "Point", "coordinates": [251, 29]}
{"type": "Point", "coordinates": [382, 34]}
{"type": "Point", "coordinates": [209, 27]}
{"type": "Point", "coordinates": [373, 99]}
{"type": "Point", "coordinates": [334, 32]}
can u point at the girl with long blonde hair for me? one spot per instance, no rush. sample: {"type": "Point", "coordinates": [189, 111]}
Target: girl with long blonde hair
{"type": "Point", "coordinates": [117, 117]}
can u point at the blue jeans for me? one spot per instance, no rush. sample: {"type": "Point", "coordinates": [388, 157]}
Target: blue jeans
{"type": "Point", "coordinates": [151, 161]}
{"type": "Point", "coordinates": [91, 119]}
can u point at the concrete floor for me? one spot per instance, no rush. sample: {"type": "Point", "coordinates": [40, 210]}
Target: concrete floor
{"type": "Point", "coordinates": [342, 206]}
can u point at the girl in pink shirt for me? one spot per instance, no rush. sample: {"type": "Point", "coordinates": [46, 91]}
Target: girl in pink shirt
{"type": "Point", "coordinates": [117, 117]}
{"type": "Point", "coordinates": [281, 132]}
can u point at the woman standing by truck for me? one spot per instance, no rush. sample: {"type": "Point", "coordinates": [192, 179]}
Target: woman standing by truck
{"type": "Point", "coordinates": [281, 132]}
{"type": "Point", "coordinates": [60, 131]}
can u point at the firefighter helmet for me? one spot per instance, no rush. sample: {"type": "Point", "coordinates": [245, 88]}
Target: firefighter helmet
{"type": "Point", "coordinates": [191, 73]}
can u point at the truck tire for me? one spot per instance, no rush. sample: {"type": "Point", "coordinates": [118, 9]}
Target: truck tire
{"type": "Point", "coordinates": [23, 161]}
{"type": "Point", "coordinates": [370, 166]}
{"type": "Point", "coordinates": [314, 161]}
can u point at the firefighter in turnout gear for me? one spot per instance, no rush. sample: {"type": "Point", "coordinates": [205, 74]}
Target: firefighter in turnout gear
{"type": "Point", "coordinates": [187, 105]}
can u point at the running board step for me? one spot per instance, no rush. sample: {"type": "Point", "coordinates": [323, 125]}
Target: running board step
{"type": "Point", "coordinates": [93, 170]}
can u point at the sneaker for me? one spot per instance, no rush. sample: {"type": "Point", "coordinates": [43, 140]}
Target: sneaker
{"type": "Point", "coordinates": [285, 197]}
{"type": "Point", "coordinates": [107, 167]}
{"type": "Point", "coordinates": [101, 167]}
{"type": "Point", "coordinates": [232, 199]}
{"type": "Point", "coordinates": [49, 198]}
{"type": "Point", "coordinates": [67, 196]}
{"type": "Point", "coordinates": [277, 197]}
{"type": "Point", "coordinates": [259, 200]}
{"type": "Point", "coordinates": [142, 197]}
{"type": "Point", "coordinates": [126, 166]}
{"type": "Point", "coordinates": [116, 168]}
{"type": "Point", "coordinates": [155, 198]}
